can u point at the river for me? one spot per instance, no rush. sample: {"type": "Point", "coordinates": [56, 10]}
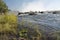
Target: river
{"type": "Point", "coordinates": [47, 21]}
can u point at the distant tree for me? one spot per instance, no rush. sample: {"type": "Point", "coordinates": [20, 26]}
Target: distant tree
{"type": "Point", "coordinates": [3, 7]}
{"type": "Point", "coordinates": [32, 13]}
{"type": "Point", "coordinates": [42, 12]}
{"type": "Point", "coordinates": [54, 12]}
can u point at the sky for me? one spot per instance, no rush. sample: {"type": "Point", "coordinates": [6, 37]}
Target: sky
{"type": "Point", "coordinates": [33, 5]}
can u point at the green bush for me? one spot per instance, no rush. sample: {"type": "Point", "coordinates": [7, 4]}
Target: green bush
{"type": "Point", "coordinates": [3, 7]}
{"type": "Point", "coordinates": [8, 23]}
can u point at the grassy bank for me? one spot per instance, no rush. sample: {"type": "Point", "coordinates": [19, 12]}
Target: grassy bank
{"type": "Point", "coordinates": [10, 29]}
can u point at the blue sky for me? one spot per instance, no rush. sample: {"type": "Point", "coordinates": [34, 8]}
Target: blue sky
{"type": "Point", "coordinates": [33, 5]}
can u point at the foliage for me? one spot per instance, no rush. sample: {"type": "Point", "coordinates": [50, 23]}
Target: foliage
{"type": "Point", "coordinates": [8, 23]}
{"type": "Point", "coordinates": [3, 7]}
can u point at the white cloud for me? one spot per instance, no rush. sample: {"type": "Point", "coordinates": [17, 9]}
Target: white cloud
{"type": "Point", "coordinates": [33, 6]}
{"type": "Point", "coordinates": [39, 5]}
{"type": "Point", "coordinates": [54, 5]}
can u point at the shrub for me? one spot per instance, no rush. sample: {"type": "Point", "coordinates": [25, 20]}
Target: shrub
{"type": "Point", "coordinates": [8, 25]}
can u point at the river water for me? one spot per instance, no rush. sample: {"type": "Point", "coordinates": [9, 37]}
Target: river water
{"type": "Point", "coordinates": [53, 20]}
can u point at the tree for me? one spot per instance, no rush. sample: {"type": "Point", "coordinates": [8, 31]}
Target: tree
{"type": "Point", "coordinates": [3, 7]}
